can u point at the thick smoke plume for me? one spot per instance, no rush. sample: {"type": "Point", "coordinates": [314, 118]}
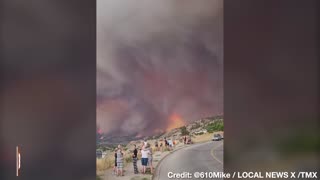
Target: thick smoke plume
{"type": "Point", "coordinates": [156, 59]}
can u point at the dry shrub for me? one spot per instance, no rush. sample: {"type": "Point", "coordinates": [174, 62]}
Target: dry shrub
{"type": "Point", "coordinates": [202, 138]}
{"type": "Point", "coordinates": [105, 163]}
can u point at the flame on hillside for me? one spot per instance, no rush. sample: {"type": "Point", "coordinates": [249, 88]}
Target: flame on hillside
{"type": "Point", "coordinates": [175, 121]}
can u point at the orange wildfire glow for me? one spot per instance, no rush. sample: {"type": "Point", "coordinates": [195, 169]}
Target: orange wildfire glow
{"type": "Point", "coordinates": [175, 122]}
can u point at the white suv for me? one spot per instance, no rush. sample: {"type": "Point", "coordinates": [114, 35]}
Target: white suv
{"type": "Point", "coordinates": [217, 137]}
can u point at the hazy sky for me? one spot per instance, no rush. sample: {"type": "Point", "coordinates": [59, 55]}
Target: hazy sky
{"type": "Point", "coordinates": [156, 59]}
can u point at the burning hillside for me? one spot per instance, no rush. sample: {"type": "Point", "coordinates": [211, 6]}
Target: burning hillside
{"type": "Point", "coordinates": [175, 121]}
{"type": "Point", "coordinates": [159, 65]}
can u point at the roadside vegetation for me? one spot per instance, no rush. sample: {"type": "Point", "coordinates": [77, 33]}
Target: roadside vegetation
{"type": "Point", "coordinates": [184, 131]}
{"type": "Point", "coordinates": [215, 126]}
{"type": "Point", "coordinates": [107, 162]}
{"type": "Point", "coordinates": [202, 138]}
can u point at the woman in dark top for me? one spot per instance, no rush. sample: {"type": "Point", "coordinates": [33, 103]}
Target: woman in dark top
{"type": "Point", "coordinates": [134, 159]}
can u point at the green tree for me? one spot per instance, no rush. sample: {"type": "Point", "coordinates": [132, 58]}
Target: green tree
{"type": "Point", "coordinates": [184, 131]}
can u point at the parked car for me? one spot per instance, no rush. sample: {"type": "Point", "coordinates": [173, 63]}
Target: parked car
{"type": "Point", "coordinates": [217, 137]}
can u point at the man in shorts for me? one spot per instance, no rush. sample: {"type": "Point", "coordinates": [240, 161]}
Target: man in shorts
{"type": "Point", "coordinates": [144, 159]}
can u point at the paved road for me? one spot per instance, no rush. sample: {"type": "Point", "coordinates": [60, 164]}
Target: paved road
{"type": "Point", "coordinates": [205, 157]}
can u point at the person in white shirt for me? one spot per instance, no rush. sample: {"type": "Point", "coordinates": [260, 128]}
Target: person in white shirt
{"type": "Point", "coordinates": [144, 158]}
{"type": "Point", "coordinates": [170, 144]}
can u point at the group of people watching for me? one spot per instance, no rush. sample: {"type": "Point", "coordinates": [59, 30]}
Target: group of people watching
{"type": "Point", "coordinates": [146, 158]}
{"type": "Point", "coordinates": [165, 143]}
{"type": "Point", "coordinates": [146, 152]}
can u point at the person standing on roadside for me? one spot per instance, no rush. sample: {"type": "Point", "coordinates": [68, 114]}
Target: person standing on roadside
{"type": "Point", "coordinates": [157, 146]}
{"type": "Point", "coordinates": [120, 155]}
{"type": "Point", "coordinates": [144, 159]}
{"type": "Point", "coordinates": [135, 159]}
{"type": "Point", "coordinates": [170, 144]}
{"type": "Point", "coordinates": [166, 142]}
{"type": "Point", "coordinates": [161, 147]}
{"type": "Point", "coordinates": [150, 158]}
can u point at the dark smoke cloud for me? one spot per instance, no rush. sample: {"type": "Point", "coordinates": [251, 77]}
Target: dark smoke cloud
{"type": "Point", "coordinates": [155, 59]}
